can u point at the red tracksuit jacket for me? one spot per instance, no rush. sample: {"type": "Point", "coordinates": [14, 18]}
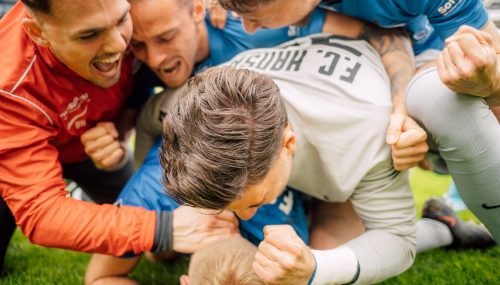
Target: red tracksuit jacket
{"type": "Point", "coordinates": [44, 108]}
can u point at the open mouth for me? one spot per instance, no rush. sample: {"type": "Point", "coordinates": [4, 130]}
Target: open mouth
{"type": "Point", "coordinates": [172, 69]}
{"type": "Point", "coordinates": [107, 64]}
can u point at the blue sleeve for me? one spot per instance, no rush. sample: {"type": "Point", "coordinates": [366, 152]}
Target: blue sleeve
{"type": "Point", "coordinates": [288, 209]}
{"type": "Point", "coordinates": [315, 24]}
{"type": "Point", "coordinates": [446, 16]}
{"type": "Point", "coordinates": [145, 188]}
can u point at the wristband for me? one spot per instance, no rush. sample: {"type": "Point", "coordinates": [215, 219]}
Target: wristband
{"type": "Point", "coordinates": [164, 232]}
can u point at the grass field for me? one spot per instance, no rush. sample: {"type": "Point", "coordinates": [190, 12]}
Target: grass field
{"type": "Point", "coordinates": [28, 264]}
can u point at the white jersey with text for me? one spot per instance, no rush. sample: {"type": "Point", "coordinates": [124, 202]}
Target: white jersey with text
{"type": "Point", "coordinates": [338, 100]}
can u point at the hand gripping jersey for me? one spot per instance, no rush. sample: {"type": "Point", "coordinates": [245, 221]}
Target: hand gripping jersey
{"type": "Point", "coordinates": [338, 102]}
{"type": "Point", "coordinates": [44, 108]}
{"type": "Point", "coordinates": [428, 21]}
{"type": "Point", "coordinates": [145, 190]}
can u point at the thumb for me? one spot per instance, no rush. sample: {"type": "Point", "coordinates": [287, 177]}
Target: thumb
{"type": "Point", "coordinates": [394, 129]}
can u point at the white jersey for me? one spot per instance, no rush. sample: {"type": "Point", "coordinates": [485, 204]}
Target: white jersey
{"type": "Point", "coordinates": [338, 100]}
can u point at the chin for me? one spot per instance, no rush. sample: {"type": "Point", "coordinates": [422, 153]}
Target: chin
{"type": "Point", "coordinates": [106, 83]}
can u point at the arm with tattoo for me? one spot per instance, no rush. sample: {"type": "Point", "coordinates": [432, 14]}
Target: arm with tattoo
{"type": "Point", "coordinates": [396, 53]}
{"type": "Point", "coordinates": [407, 139]}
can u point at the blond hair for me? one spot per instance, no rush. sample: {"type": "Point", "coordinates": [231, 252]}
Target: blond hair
{"type": "Point", "coordinates": [226, 262]}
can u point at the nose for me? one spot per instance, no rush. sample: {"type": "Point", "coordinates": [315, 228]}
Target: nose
{"type": "Point", "coordinates": [246, 214]}
{"type": "Point", "coordinates": [250, 26]}
{"type": "Point", "coordinates": [154, 57]}
{"type": "Point", "coordinates": [116, 42]}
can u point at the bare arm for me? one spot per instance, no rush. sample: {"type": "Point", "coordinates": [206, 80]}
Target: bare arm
{"type": "Point", "coordinates": [105, 269]}
{"type": "Point", "coordinates": [407, 139]}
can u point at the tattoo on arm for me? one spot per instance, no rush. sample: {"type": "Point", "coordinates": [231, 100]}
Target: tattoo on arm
{"type": "Point", "coordinates": [396, 52]}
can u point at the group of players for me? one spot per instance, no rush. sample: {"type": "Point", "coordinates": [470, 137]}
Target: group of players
{"type": "Point", "coordinates": [296, 125]}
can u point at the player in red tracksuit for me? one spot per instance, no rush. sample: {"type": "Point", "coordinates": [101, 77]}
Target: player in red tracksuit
{"type": "Point", "coordinates": [57, 80]}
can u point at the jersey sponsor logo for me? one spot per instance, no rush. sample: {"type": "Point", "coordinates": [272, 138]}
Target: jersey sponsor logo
{"type": "Point", "coordinates": [449, 6]}
{"type": "Point", "coordinates": [75, 113]}
{"type": "Point", "coordinates": [490, 207]}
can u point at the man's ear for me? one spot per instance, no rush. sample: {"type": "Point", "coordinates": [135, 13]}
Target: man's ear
{"type": "Point", "coordinates": [33, 29]}
{"type": "Point", "coordinates": [184, 279]}
{"type": "Point", "coordinates": [289, 140]}
{"type": "Point", "coordinates": [199, 11]}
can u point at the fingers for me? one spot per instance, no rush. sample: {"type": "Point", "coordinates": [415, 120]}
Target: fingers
{"type": "Point", "coordinates": [98, 143]}
{"type": "Point", "coordinates": [113, 159]}
{"type": "Point", "coordinates": [410, 151]}
{"type": "Point", "coordinates": [110, 128]}
{"type": "Point", "coordinates": [394, 130]}
{"type": "Point", "coordinates": [411, 147]}
{"type": "Point", "coordinates": [467, 30]}
{"type": "Point", "coordinates": [267, 270]}
{"type": "Point", "coordinates": [93, 134]}
{"type": "Point", "coordinates": [101, 145]}
{"type": "Point", "coordinates": [283, 237]}
{"type": "Point", "coordinates": [101, 129]}
{"type": "Point", "coordinates": [282, 257]}
{"type": "Point", "coordinates": [468, 63]}
{"type": "Point", "coordinates": [218, 15]}
{"type": "Point", "coordinates": [403, 163]}
{"type": "Point", "coordinates": [106, 151]}
{"type": "Point", "coordinates": [411, 136]}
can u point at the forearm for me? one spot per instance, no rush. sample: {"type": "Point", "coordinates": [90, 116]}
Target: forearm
{"type": "Point", "coordinates": [104, 270]}
{"type": "Point", "coordinates": [51, 219]}
{"type": "Point", "coordinates": [396, 54]}
{"type": "Point", "coordinates": [382, 255]}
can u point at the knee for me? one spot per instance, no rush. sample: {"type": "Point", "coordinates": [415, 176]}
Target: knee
{"type": "Point", "coordinates": [427, 98]}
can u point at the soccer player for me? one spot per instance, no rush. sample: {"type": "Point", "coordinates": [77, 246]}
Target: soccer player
{"type": "Point", "coordinates": [64, 69]}
{"type": "Point", "coordinates": [462, 129]}
{"type": "Point", "coordinates": [329, 143]}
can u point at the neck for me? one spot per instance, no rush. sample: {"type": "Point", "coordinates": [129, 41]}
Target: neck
{"type": "Point", "coordinates": [203, 47]}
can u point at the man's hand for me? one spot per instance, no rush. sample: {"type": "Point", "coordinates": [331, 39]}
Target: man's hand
{"type": "Point", "coordinates": [283, 258]}
{"type": "Point", "coordinates": [102, 146]}
{"type": "Point", "coordinates": [468, 63]}
{"type": "Point", "coordinates": [193, 229]}
{"type": "Point", "coordinates": [408, 141]}
{"type": "Point", "coordinates": [218, 15]}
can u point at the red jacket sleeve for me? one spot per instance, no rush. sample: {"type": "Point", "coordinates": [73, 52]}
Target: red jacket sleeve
{"type": "Point", "coordinates": [31, 184]}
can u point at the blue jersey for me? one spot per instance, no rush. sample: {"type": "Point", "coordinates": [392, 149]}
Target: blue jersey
{"type": "Point", "coordinates": [429, 22]}
{"type": "Point", "coordinates": [225, 44]}
{"type": "Point", "coordinates": [145, 190]}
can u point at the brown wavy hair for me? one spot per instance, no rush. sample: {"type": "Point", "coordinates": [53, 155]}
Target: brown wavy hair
{"type": "Point", "coordinates": [222, 136]}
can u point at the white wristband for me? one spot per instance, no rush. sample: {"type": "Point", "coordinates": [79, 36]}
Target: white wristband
{"type": "Point", "coordinates": [335, 266]}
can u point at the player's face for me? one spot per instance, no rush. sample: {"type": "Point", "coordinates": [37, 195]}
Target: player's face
{"type": "Point", "coordinates": [90, 37]}
{"type": "Point", "coordinates": [166, 38]}
{"type": "Point", "coordinates": [277, 14]}
{"type": "Point", "coordinates": [272, 185]}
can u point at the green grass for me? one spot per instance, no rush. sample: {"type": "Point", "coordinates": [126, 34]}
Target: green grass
{"type": "Point", "coordinates": [28, 264]}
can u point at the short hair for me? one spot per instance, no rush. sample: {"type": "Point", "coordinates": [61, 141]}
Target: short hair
{"type": "Point", "coordinates": [38, 6]}
{"type": "Point", "coordinates": [243, 6]}
{"type": "Point", "coordinates": [225, 262]}
{"type": "Point", "coordinates": [221, 136]}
